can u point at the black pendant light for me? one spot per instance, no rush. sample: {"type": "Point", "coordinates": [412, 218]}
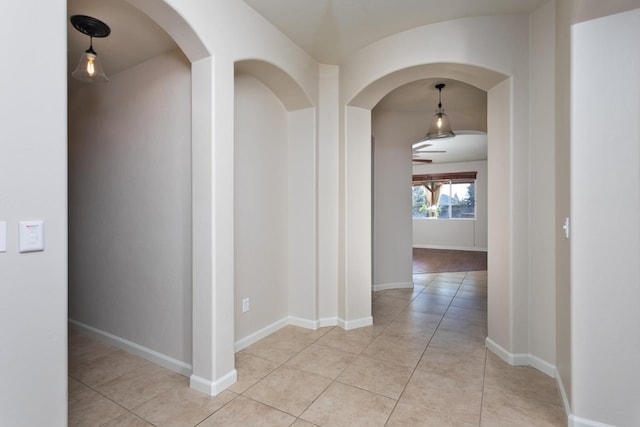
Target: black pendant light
{"type": "Point", "coordinates": [440, 126]}
{"type": "Point", "coordinates": [89, 68]}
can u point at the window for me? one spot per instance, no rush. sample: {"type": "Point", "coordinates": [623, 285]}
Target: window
{"type": "Point", "coordinates": [445, 196]}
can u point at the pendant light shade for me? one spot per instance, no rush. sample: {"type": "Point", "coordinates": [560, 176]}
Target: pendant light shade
{"type": "Point", "coordinates": [89, 68]}
{"type": "Point", "coordinates": [440, 126]}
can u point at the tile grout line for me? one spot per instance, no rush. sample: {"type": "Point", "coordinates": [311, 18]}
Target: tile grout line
{"type": "Point", "coordinates": [426, 347]}
{"type": "Point", "coordinates": [332, 380]}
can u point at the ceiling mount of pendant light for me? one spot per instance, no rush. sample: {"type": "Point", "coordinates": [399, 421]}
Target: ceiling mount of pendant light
{"type": "Point", "coordinates": [89, 68]}
{"type": "Point", "coordinates": [440, 126]}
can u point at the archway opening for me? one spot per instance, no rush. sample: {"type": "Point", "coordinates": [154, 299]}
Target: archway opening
{"type": "Point", "coordinates": [357, 280]}
{"type": "Point", "coordinates": [189, 351]}
{"type": "Point", "coordinates": [274, 203]}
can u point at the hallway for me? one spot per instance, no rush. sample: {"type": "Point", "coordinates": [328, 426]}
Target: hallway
{"type": "Point", "coordinates": [422, 363]}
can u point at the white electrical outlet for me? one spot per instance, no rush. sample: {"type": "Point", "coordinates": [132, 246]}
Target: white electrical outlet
{"type": "Point", "coordinates": [245, 305]}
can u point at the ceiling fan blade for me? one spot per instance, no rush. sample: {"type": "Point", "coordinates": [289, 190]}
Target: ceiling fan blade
{"type": "Point", "coordinates": [422, 144]}
{"type": "Point", "coordinates": [431, 151]}
{"type": "Point", "coordinates": [422, 160]}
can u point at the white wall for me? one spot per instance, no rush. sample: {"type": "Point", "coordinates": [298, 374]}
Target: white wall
{"type": "Point", "coordinates": [462, 234]}
{"type": "Point", "coordinates": [543, 229]}
{"type": "Point", "coordinates": [605, 247]}
{"type": "Point", "coordinates": [328, 174]}
{"type": "Point", "coordinates": [302, 301]}
{"type": "Point", "coordinates": [203, 29]}
{"type": "Point", "coordinates": [392, 256]}
{"type": "Point", "coordinates": [130, 206]}
{"type": "Point", "coordinates": [274, 211]}
{"type": "Point", "coordinates": [33, 185]}
{"type": "Point", "coordinates": [562, 171]}
{"type": "Point", "coordinates": [567, 13]}
{"type": "Point", "coordinates": [260, 206]}
{"type": "Point", "coordinates": [500, 269]}
{"type": "Point", "coordinates": [493, 49]}
{"type": "Point", "coordinates": [355, 284]}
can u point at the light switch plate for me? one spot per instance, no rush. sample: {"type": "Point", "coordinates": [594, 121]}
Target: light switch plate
{"type": "Point", "coordinates": [3, 236]}
{"type": "Point", "coordinates": [31, 236]}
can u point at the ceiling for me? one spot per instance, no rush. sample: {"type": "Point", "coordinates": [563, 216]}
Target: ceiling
{"type": "Point", "coordinates": [332, 30]}
{"type": "Point", "coordinates": [466, 107]}
{"type": "Point", "coordinates": [466, 146]}
{"type": "Point", "coordinates": [329, 30]}
{"type": "Point", "coordinates": [134, 37]}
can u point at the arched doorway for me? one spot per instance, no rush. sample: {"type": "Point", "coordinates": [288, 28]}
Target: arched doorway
{"type": "Point", "coordinates": [211, 364]}
{"type": "Point", "coordinates": [274, 203]}
{"type": "Point", "coordinates": [357, 274]}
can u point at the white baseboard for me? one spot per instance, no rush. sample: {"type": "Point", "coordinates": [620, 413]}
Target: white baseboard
{"type": "Point", "coordinates": [583, 422]}
{"type": "Point", "coordinates": [543, 366]}
{"type": "Point", "coordinates": [398, 285]}
{"type": "Point", "coordinates": [355, 324]}
{"type": "Point", "coordinates": [328, 321]}
{"type": "Point", "coordinates": [304, 323]}
{"type": "Point", "coordinates": [521, 359]}
{"type": "Point", "coordinates": [133, 348]}
{"type": "Point", "coordinates": [212, 388]}
{"type": "Point", "coordinates": [451, 248]}
{"type": "Point", "coordinates": [574, 421]}
{"type": "Point", "coordinates": [258, 335]}
{"type": "Point", "coordinates": [563, 395]}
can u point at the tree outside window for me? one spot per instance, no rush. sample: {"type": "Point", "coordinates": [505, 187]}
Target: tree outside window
{"type": "Point", "coordinates": [445, 196]}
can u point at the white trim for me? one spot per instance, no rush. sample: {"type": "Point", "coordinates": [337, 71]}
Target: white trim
{"type": "Point", "coordinates": [354, 324]}
{"type": "Point", "coordinates": [583, 422]}
{"type": "Point", "coordinates": [563, 394]}
{"type": "Point", "coordinates": [451, 248]}
{"type": "Point", "coordinates": [258, 335]}
{"type": "Point", "coordinates": [572, 420]}
{"type": "Point", "coordinates": [521, 359]}
{"type": "Point", "coordinates": [303, 323]}
{"type": "Point", "coordinates": [542, 365]}
{"type": "Point", "coordinates": [328, 321]}
{"type": "Point", "coordinates": [498, 351]}
{"type": "Point", "coordinates": [213, 388]}
{"type": "Point", "coordinates": [133, 348]}
{"type": "Point", "coordinates": [398, 285]}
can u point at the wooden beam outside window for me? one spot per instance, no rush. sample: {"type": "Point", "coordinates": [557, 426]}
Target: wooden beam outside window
{"type": "Point", "coordinates": [445, 177]}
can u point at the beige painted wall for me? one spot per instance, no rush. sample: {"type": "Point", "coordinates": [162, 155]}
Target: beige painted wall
{"type": "Point", "coordinates": [33, 186]}
{"type": "Point", "coordinates": [563, 193]}
{"type": "Point", "coordinates": [130, 206]}
{"type": "Point", "coordinates": [391, 181]}
{"type": "Point", "coordinates": [260, 206]}
{"type": "Point", "coordinates": [567, 13]}
{"type": "Point", "coordinates": [605, 250]}
{"type": "Point", "coordinates": [274, 212]}
{"type": "Point", "coordinates": [543, 229]}
{"type": "Point", "coordinates": [328, 190]}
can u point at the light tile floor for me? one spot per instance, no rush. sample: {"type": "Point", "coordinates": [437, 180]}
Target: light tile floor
{"type": "Point", "coordinates": [422, 363]}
